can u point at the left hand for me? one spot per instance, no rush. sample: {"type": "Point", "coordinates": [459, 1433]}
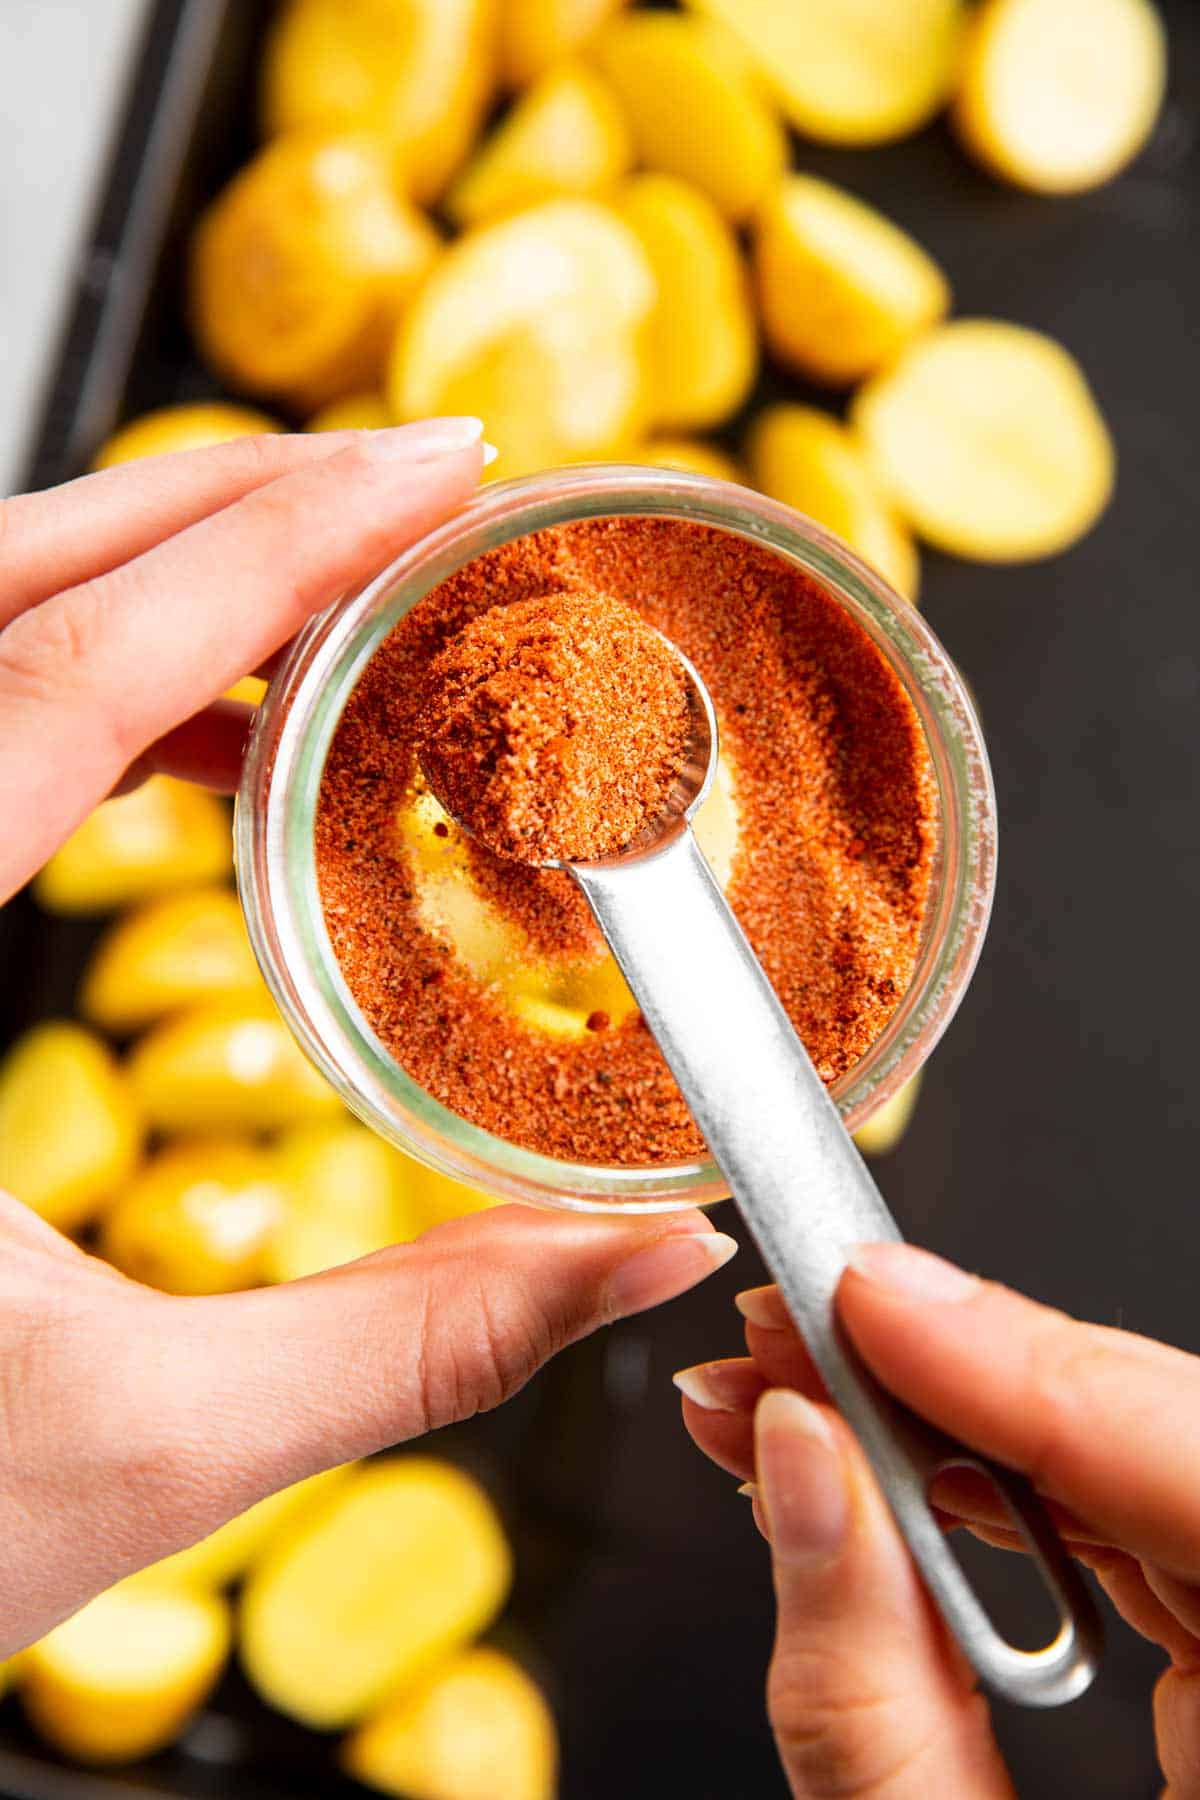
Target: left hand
{"type": "Point", "coordinates": [867, 1693]}
{"type": "Point", "coordinates": [133, 1422]}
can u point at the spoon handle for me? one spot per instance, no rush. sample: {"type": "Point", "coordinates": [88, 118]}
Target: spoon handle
{"type": "Point", "coordinates": [808, 1198]}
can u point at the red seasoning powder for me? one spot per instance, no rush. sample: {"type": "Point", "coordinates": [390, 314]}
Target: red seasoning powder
{"type": "Point", "coordinates": [555, 728]}
{"type": "Point", "coordinates": [836, 808]}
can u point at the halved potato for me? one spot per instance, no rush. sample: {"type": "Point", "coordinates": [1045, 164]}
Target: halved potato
{"type": "Point", "coordinates": [169, 954]}
{"type": "Point", "coordinates": [407, 1563]}
{"type": "Point", "coordinates": [121, 1679]}
{"type": "Point", "coordinates": [566, 135]}
{"type": "Point", "coordinates": [417, 74]}
{"type": "Point", "coordinates": [695, 106]}
{"type": "Point", "coordinates": [163, 836]}
{"type": "Point", "coordinates": [701, 341]}
{"type": "Point", "coordinates": [989, 441]}
{"type": "Point", "coordinates": [347, 1193]}
{"type": "Point", "coordinates": [1058, 95]}
{"type": "Point", "coordinates": [172, 428]}
{"type": "Point", "coordinates": [301, 266]}
{"type": "Point", "coordinates": [227, 1065]}
{"type": "Point", "coordinates": [884, 1129]}
{"type": "Point", "coordinates": [693, 455]}
{"type": "Point", "coordinates": [842, 289]}
{"type": "Point", "coordinates": [367, 411]}
{"type": "Point", "coordinates": [226, 1553]}
{"type": "Point", "coordinates": [851, 71]}
{"type": "Point", "coordinates": [248, 690]}
{"type": "Point", "coordinates": [198, 1218]}
{"type": "Point", "coordinates": [809, 460]}
{"type": "Point", "coordinates": [534, 324]}
{"type": "Point", "coordinates": [477, 1714]}
{"type": "Point", "coordinates": [70, 1129]}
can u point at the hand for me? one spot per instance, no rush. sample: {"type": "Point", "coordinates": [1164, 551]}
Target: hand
{"type": "Point", "coordinates": [867, 1694]}
{"type": "Point", "coordinates": [132, 1422]}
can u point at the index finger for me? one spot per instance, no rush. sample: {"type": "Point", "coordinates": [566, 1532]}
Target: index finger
{"type": "Point", "coordinates": [1105, 1422]}
{"type": "Point", "coordinates": [86, 527]}
{"type": "Point", "coordinates": [91, 678]}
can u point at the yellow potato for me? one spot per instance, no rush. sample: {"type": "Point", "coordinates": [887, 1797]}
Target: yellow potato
{"type": "Point", "coordinates": [417, 74]}
{"type": "Point", "coordinates": [841, 288]}
{"type": "Point", "coordinates": [169, 954]}
{"type": "Point", "coordinates": [407, 1563]}
{"type": "Point", "coordinates": [70, 1130]}
{"type": "Point", "coordinates": [198, 1218]}
{"type": "Point", "coordinates": [477, 1714]}
{"type": "Point", "coordinates": [884, 1129]}
{"type": "Point", "coordinates": [227, 1553]}
{"type": "Point", "coordinates": [121, 1679]}
{"type": "Point", "coordinates": [163, 836]}
{"type": "Point", "coordinates": [536, 34]}
{"type": "Point", "coordinates": [990, 441]}
{"type": "Point", "coordinates": [566, 135]}
{"type": "Point", "coordinates": [301, 267]}
{"type": "Point", "coordinates": [357, 412]}
{"type": "Point", "coordinates": [694, 106]}
{"type": "Point", "coordinates": [809, 460]}
{"type": "Point", "coordinates": [701, 344]}
{"type": "Point", "coordinates": [534, 324]}
{"type": "Point", "coordinates": [1058, 95]}
{"type": "Point", "coordinates": [851, 71]}
{"type": "Point", "coordinates": [347, 1198]}
{"type": "Point", "coordinates": [249, 691]}
{"type": "Point", "coordinates": [173, 428]}
{"type": "Point", "coordinates": [227, 1065]}
{"type": "Point", "coordinates": [693, 455]}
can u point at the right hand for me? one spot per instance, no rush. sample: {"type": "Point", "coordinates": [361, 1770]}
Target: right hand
{"type": "Point", "coordinates": [867, 1693]}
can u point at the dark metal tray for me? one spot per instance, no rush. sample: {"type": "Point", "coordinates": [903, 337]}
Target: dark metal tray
{"type": "Point", "coordinates": [1056, 1143]}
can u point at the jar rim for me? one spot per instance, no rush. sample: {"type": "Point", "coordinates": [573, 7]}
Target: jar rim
{"type": "Point", "coordinates": [296, 722]}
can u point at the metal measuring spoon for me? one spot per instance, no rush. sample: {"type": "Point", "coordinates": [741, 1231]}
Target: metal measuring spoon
{"type": "Point", "coordinates": [808, 1198]}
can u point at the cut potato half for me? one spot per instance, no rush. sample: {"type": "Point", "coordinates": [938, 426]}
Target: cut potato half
{"type": "Point", "coordinates": [120, 1679]}
{"type": "Point", "coordinates": [70, 1131]}
{"type": "Point", "coordinates": [226, 1553]}
{"type": "Point", "coordinates": [406, 1564]}
{"type": "Point", "coordinates": [477, 1715]}
{"type": "Point", "coordinates": [169, 954]}
{"type": "Point", "coordinates": [884, 1129]}
{"type": "Point", "coordinates": [989, 441]}
{"type": "Point", "coordinates": [851, 71]}
{"type": "Point", "coordinates": [533, 324]}
{"type": "Point", "coordinates": [809, 460]}
{"type": "Point", "coordinates": [693, 456]}
{"type": "Point", "coordinates": [1058, 95]}
{"type": "Point", "coordinates": [198, 1218]}
{"type": "Point", "coordinates": [163, 836]}
{"type": "Point", "coordinates": [227, 1065]}
{"type": "Point", "coordinates": [567, 135]}
{"type": "Point", "coordinates": [701, 342]}
{"type": "Point", "coordinates": [695, 106]}
{"type": "Point", "coordinates": [842, 289]}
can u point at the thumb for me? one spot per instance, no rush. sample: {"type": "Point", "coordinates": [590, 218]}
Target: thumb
{"type": "Point", "coordinates": [866, 1695]}
{"type": "Point", "coordinates": [281, 1382]}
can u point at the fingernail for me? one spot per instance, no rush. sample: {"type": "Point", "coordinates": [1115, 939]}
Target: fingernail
{"type": "Point", "coordinates": [749, 1489]}
{"type": "Point", "coordinates": [800, 1478]}
{"type": "Point", "coordinates": [763, 1306]}
{"type": "Point", "coordinates": [665, 1269]}
{"type": "Point", "coordinates": [424, 441]}
{"type": "Point", "coordinates": [490, 453]}
{"type": "Point", "coordinates": [727, 1387]}
{"type": "Point", "coordinates": [914, 1274]}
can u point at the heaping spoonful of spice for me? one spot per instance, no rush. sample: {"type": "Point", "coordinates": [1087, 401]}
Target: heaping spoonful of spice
{"type": "Point", "coordinates": [565, 732]}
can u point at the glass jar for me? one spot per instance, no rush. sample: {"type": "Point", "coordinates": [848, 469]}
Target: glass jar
{"type": "Point", "coordinates": [295, 726]}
